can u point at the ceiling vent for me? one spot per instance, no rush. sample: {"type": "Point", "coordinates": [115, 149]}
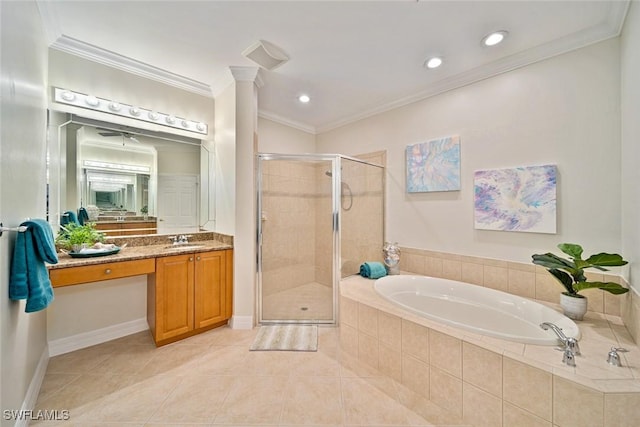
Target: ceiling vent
{"type": "Point", "coordinates": [265, 55]}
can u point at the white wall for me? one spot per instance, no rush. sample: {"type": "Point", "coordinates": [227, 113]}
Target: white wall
{"type": "Point", "coordinates": [278, 138]}
{"type": "Point", "coordinates": [225, 158]}
{"type": "Point", "coordinates": [630, 59]}
{"type": "Point", "coordinates": [22, 191]}
{"type": "Point", "coordinates": [564, 111]}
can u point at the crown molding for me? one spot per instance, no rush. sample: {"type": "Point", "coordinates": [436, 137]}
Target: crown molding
{"type": "Point", "coordinates": [617, 14]}
{"type": "Point", "coordinates": [610, 28]}
{"type": "Point", "coordinates": [93, 53]}
{"type": "Point", "coordinates": [247, 74]}
{"type": "Point", "coordinates": [50, 21]}
{"type": "Point", "coordinates": [287, 122]}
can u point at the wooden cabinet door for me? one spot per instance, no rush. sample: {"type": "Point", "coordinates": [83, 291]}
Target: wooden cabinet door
{"type": "Point", "coordinates": [210, 288]}
{"type": "Point", "coordinates": [174, 295]}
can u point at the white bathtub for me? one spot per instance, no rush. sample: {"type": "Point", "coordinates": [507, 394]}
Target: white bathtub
{"type": "Point", "coordinates": [481, 310]}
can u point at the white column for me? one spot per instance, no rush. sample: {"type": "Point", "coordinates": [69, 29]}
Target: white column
{"type": "Point", "coordinates": [238, 115]}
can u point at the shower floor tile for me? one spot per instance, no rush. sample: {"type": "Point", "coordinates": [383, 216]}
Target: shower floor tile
{"type": "Point", "coordinates": [311, 301]}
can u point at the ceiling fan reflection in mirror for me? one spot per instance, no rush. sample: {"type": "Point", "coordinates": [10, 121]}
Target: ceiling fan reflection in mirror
{"type": "Point", "coordinates": [109, 132]}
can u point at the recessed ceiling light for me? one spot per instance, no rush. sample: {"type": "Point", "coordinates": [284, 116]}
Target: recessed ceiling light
{"type": "Point", "coordinates": [494, 38]}
{"type": "Point", "coordinates": [434, 62]}
{"type": "Point", "coordinates": [304, 98]}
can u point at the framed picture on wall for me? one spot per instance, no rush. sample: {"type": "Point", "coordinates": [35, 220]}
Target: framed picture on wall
{"type": "Point", "coordinates": [516, 199]}
{"type": "Point", "coordinates": [434, 165]}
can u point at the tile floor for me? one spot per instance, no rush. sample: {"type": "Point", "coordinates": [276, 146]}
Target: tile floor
{"type": "Point", "coordinates": [213, 379]}
{"type": "Point", "coordinates": [311, 301]}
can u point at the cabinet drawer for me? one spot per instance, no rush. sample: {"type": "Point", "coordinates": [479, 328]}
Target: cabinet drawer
{"type": "Point", "coordinates": [93, 273]}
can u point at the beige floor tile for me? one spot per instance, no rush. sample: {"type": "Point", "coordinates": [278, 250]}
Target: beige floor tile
{"type": "Point", "coordinates": [228, 360]}
{"type": "Point", "coordinates": [126, 360]}
{"type": "Point", "coordinates": [83, 392]}
{"type": "Point", "coordinates": [314, 364]}
{"type": "Point", "coordinates": [313, 400]}
{"type": "Point", "coordinates": [79, 361]}
{"type": "Point", "coordinates": [196, 399]}
{"type": "Point", "coordinates": [253, 400]}
{"type": "Point", "coordinates": [136, 402]}
{"type": "Point", "coordinates": [366, 404]}
{"type": "Point", "coordinates": [53, 383]}
{"type": "Point", "coordinates": [214, 380]}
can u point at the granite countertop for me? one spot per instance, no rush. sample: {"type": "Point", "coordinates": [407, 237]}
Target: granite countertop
{"type": "Point", "coordinates": [142, 247]}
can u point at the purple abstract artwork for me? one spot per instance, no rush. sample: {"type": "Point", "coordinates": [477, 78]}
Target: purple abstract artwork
{"type": "Point", "coordinates": [516, 199]}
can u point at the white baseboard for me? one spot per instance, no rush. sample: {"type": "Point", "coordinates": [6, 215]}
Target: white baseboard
{"type": "Point", "coordinates": [241, 322]}
{"type": "Point", "coordinates": [33, 391]}
{"type": "Point", "coordinates": [98, 336]}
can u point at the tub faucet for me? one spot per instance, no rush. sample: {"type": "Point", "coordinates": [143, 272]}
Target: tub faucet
{"type": "Point", "coordinates": [569, 344]}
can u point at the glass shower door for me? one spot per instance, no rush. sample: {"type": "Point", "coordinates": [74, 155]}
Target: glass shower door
{"type": "Point", "coordinates": [296, 239]}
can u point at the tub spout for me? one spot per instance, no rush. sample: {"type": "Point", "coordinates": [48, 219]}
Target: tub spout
{"type": "Point", "coordinates": [561, 336]}
{"type": "Point", "coordinates": [569, 344]}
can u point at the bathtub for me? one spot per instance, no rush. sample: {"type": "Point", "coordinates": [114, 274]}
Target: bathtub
{"type": "Point", "coordinates": [481, 310]}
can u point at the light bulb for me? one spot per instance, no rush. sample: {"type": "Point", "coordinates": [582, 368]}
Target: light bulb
{"type": "Point", "coordinates": [92, 101]}
{"type": "Point", "coordinates": [434, 62]}
{"type": "Point", "coordinates": [494, 38]}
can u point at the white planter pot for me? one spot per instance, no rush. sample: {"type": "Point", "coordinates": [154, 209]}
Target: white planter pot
{"type": "Point", "coordinates": [573, 307]}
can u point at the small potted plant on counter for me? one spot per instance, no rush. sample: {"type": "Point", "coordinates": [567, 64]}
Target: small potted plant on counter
{"type": "Point", "coordinates": [74, 236]}
{"type": "Point", "coordinates": [570, 274]}
{"type": "Point", "coordinates": [145, 212]}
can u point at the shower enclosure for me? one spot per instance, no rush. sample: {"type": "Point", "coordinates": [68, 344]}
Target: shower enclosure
{"type": "Point", "coordinates": [320, 216]}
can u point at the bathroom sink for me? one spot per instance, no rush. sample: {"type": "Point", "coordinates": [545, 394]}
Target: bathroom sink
{"type": "Point", "coordinates": [183, 247]}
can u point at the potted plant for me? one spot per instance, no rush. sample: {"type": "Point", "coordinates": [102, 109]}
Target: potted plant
{"type": "Point", "coordinates": [145, 212]}
{"type": "Point", "coordinates": [570, 274]}
{"type": "Point", "coordinates": [74, 236]}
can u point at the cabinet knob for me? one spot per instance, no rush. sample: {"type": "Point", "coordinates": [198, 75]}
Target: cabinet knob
{"type": "Point", "coordinates": [197, 258]}
{"type": "Point", "coordinates": [190, 258]}
{"type": "Point", "coordinates": [107, 271]}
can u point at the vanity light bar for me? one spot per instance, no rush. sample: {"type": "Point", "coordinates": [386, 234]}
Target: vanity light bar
{"type": "Point", "coordinates": [91, 102]}
{"type": "Point", "coordinates": [116, 166]}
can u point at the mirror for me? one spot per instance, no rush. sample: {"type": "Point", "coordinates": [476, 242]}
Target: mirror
{"type": "Point", "coordinates": [130, 181]}
{"type": "Point", "coordinates": [118, 171]}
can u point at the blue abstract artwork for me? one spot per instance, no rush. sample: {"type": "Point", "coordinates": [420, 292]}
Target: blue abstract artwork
{"type": "Point", "coordinates": [516, 199]}
{"type": "Point", "coordinates": [434, 165]}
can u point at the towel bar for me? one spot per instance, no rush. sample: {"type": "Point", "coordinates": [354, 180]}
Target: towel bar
{"type": "Point", "coordinates": [20, 229]}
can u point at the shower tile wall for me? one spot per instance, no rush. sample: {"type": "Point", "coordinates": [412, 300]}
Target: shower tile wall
{"type": "Point", "coordinates": [288, 214]}
{"type": "Point", "coordinates": [323, 226]}
{"type": "Point", "coordinates": [362, 207]}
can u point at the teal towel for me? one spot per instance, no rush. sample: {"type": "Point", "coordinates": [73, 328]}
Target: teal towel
{"type": "Point", "coordinates": [373, 270]}
{"type": "Point", "coordinates": [83, 216]}
{"type": "Point", "coordinates": [69, 217]}
{"type": "Point", "coordinates": [29, 276]}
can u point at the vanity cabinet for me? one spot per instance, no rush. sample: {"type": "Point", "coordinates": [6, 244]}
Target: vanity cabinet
{"type": "Point", "coordinates": [188, 294]}
{"type": "Point", "coordinates": [127, 228]}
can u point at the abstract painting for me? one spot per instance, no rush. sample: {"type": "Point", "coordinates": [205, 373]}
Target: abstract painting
{"type": "Point", "coordinates": [434, 165]}
{"type": "Point", "coordinates": [516, 199]}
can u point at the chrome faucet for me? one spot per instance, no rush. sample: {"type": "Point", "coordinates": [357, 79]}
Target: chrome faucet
{"type": "Point", "coordinates": [613, 358]}
{"type": "Point", "coordinates": [569, 344]}
{"type": "Point", "coordinates": [183, 239]}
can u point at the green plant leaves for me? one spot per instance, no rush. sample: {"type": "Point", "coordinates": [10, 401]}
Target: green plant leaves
{"type": "Point", "coordinates": [550, 260]}
{"type": "Point", "coordinates": [564, 279]}
{"type": "Point", "coordinates": [74, 234]}
{"type": "Point", "coordinates": [611, 287]}
{"type": "Point", "coordinates": [605, 260]}
{"type": "Point", "coordinates": [570, 273]}
{"type": "Point", "coordinates": [571, 249]}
